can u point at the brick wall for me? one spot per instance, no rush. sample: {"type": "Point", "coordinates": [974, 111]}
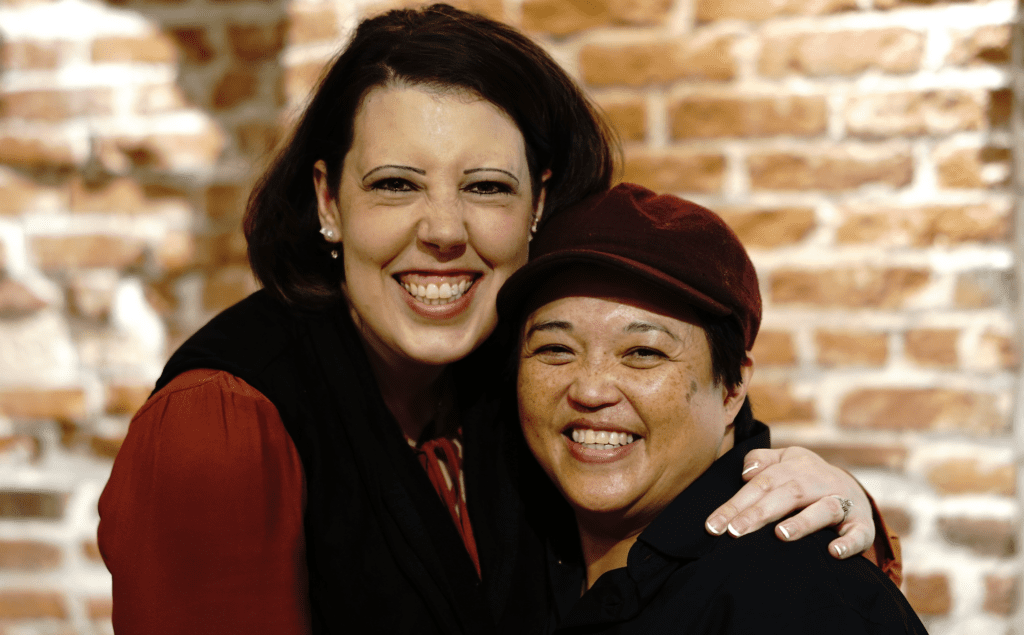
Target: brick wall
{"type": "Point", "coordinates": [861, 148]}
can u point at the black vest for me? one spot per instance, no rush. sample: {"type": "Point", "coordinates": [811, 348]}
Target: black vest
{"type": "Point", "coordinates": [382, 551]}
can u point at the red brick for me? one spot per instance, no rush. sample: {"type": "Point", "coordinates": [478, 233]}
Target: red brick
{"type": "Point", "coordinates": [163, 98]}
{"type": "Point", "coordinates": [227, 286]}
{"type": "Point", "coordinates": [27, 505]}
{"type": "Point", "coordinates": [924, 226]}
{"type": "Point", "coordinates": [901, 4]}
{"type": "Point", "coordinates": [31, 55]}
{"type": "Point", "coordinates": [154, 49]}
{"type": "Point", "coordinates": [775, 403]}
{"type": "Point", "coordinates": [29, 555]}
{"type": "Point", "coordinates": [23, 605]}
{"type": "Point", "coordinates": [27, 403]}
{"type": "Point", "coordinates": [713, 10]}
{"type": "Point", "coordinates": [118, 196]}
{"type": "Point", "coordinates": [989, 44]}
{"type": "Point", "coordinates": [984, 289]}
{"type": "Point", "coordinates": [17, 300]}
{"type": "Point", "coordinates": [19, 448]}
{"type": "Point", "coordinates": [842, 53]}
{"type": "Point", "coordinates": [704, 117]}
{"type": "Point", "coordinates": [126, 399]}
{"type": "Point", "coordinates": [774, 348]}
{"type": "Point", "coordinates": [1000, 106]}
{"type": "Point", "coordinates": [969, 476]}
{"type": "Point", "coordinates": [853, 456]}
{"type": "Point", "coordinates": [977, 167]}
{"type": "Point", "coordinates": [56, 105]}
{"type": "Point", "coordinates": [256, 42]}
{"type": "Point", "coordinates": [300, 79]}
{"type": "Point", "coordinates": [194, 43]}
{"type": "Point", "coordinates": [627, 117]}
{"type": "Point", "coordinates": [236, 86]}
{"type": "Point", "coordinates": [997, 352]}
{"type": "Point", "coordinates": [934, 348]}
{"type": "Point", "coordinates": [91, 293]}
{"type": "Point", "coordinates": [224, 248]}
{"type": "Point", "coordinates": [225, 201]}
{"type": "Point", "coordinates": [937, 409]}
{"type": "Point", "coordinates": [95, 250]}
{"type": "Point", "coordinates": [928, 594]}
{"type": "Point", "coordinates": [562, 17]}
{"type": "Point", "coordinates": [19, 194]}
{"type": "Point", "coordinates": [49, 154]}
{"type": "Point", "coordinates": [770, 228]}
{"type": "Point", "coordinates": [1002, 594]}
{"type": "Point", "coordinates": [257, 138]}
{"type": "Point", "coordinates": [91, 551]}
{"type": "Point", "coordinates": [850, 288]}
{"type": "Point", "coordinates": [173, 151]}
{"type": "Point", "coordinates": [851, 348]}
{"type": "Point", "coordinates": [832, 169]}
{"type": "Point", "coordinates": [897, 520]}
{"type": "Point", "coordinates": [176, 251]}
{"type": "Point", "coordinates": [675, 170]}
{"type": "Point", "coordinates": [985, 536]}
{"type": "Point", "coordinates": [105, 447]}
{"type": "Point", "coordinates": [99, 608]}
{"type": "Point", "coordinates": [934, 112]}
{"type": "Point", "coordinates": [311, 23]}
{"type": "Point", "coordinates": [657, 63]}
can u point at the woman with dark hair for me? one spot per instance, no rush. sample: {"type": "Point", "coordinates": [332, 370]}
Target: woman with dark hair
{"type": "Point", "coordinates": [299, 467]}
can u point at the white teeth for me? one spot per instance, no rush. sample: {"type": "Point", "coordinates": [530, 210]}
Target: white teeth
{"type": "Point", "coordinates": [601, 439]}
{"type": "Point", "coordinates": [434, 294]}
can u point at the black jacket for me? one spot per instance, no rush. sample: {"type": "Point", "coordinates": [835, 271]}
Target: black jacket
{"type": "Point", "coordinates": [383, 554]}
{"type": "Point", "coordinates": [680, 579]}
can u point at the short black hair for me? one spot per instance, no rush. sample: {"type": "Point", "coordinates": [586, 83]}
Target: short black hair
{"type": "Point", "coordinates": [437, 47]}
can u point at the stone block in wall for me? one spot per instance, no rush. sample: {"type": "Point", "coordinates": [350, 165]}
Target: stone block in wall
{"type": "Point", "coordinates": [954, 476]}
{"type": "Point", "coordinates": [176, 251]}
{"type": "Point", "coordinates": [830, 169]}
{"type": "Point", "coordinates": [712, 10]}
{"type": "Point", "coordinates": [52, 105]}
{"type": "Point", "coordinates": [983, 536]}
{"type": "Point", "coordinates": [32, 55]}
{"type": "Point", "coordinates": [932, 348]}
{"type": "Point", "coordinates": [37, 351]}
{"type": "Point", "coordinates": [34, 604]}
{"type": "Point", "coordinates": [897, 520]}
{"type": "Point", "coordinates": [1000, 106]}
{"type": "Point", "coordinates": [17, 300]}
{"type": "Point", "coordinates": [51, 154]}
{"type": "Point", "coordinates": [925, 226]}
{"type": "Point", "coordinates": [563, 17]}
{"type": "Point", "coordinates": [915, 4]}
{"type": "Point", "coordinates": [911, 114]}
{"type": "Point", "coordinates": [194, 44]}
{"type": "Point", "coordinates": [928, 594]}
{"type": "Point", "coordinates": [982, 289]}
{"type": "Point", "coordinates": [860, 455]}
{"type": "Point", "coordinates": [989, 44]}
{"type": "Point", "coordinates": [35, 505]}
{"type": "Point", "coordinates": [225, 202]}
{"type": "Point", "coordinates": [184, 151]}
{"type": "Point", "coordinates": [126, 399]}
{"type": "Point", "coordinates": [226, 286]}
{"type": "Point", "coordinates": [774, 348]}
{"type": "Point", "coordinates": [21, 194]}
{"type": "Point", "coordinates": [973, 167]}
{"type": "Point", "coordinates": [842, 53]}
{"type": "Point", "coordinates": [311, 23]}
{"type": "Point", "coordinates": [995, 351]}
{"type": "Point", "coordinates": [155, 48]}
{"type": "Point", "coordinates": [43, 403]}
{"type": "Point", "coordinates": [257, 42]}
{"type": "Point", "coordinates": [675, 170]}
{"type": "Point", "coordinates": [769, 228]}
{"type": "Point", "coordinates": [658, 63]}
{"type": "Point", "coordinates": [237, 85]}
{"type": "Point", "coordinates": [628, 117]}
{"type": "Point", "coordinates": [851, 288]}
{"type": "Point", "coordinates": [921, 409]}
{"type": "Point", "coordinates": [846, 348]}
{"type": "Point", "coordinates": [89, 250]}
{"type": "Point", "coordinates": [300, 79]}
{"type": "Point", "coordinates": [1002, 594]}
{"type": "Point", "coordinates": [704, 117]}
{"type": "Point", "coordinates": [776, 403]}
{"type": "Point", "coordinates": [29, 555]}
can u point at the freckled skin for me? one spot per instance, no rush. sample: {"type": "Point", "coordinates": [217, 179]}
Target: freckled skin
{"type": "Point", "coordinates": [610, 349]}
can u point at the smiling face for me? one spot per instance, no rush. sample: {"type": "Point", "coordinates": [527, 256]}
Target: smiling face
{"type": "Point", "coordinates": [433, 213]}
{"type": "Point", "coordinates": [616, 397]}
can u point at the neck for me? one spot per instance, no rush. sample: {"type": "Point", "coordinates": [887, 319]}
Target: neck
{"type": "Point", "coordinates": [603, 550]}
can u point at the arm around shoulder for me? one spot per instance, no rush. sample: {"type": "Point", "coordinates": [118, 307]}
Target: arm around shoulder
{"type": "Point", "coordinates": [201, 522]}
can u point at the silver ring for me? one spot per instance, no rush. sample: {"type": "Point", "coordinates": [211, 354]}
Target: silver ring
{"type": "Point", "coordinates": [846, 504]}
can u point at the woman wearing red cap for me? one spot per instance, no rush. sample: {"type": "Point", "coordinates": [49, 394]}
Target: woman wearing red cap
{"type": "Point", "coordinates": [324, 456]}
{"type": "Point", "coordinates": [638, 313]}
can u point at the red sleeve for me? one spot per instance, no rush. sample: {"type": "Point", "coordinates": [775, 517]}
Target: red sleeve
{"type": "Point", "coordinates": [885, 552]}
{"type": "Point", "coordinates": [201, 521]}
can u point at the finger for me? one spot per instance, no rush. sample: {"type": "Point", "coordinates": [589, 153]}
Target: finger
{"type": "Point", "coordinates": [748, 495]}
{"type": "Point", "coordinates": [775, 504]}
{"type": "Point", "coordinates": [825, 512]}
{"type": "Point", "coordinates": [854, 541]}
{"type": "Point", "coordinates": [756, 461]}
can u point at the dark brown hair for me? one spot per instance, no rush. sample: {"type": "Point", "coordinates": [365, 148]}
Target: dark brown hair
{"type": "Point", "coordinates": [437, 46]}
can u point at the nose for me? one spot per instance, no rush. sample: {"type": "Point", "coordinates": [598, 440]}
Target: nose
{"type": "Point", "coordinates": [593, 389]}
{"type": "Point", "coordinates": [443, 228]}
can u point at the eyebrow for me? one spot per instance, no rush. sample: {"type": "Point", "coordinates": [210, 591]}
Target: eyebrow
{"type": "Point", "coordinates": [550, 325]}
{"type": "Point", "coordinates": [647, 327]}
{"type": "Point", "coordinates": [399, 167]}
{"type": "Point", "coordinates": [510, 175]}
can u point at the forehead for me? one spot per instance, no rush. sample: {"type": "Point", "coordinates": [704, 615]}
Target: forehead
{"type": "Point", "coordinates": [593, 291]}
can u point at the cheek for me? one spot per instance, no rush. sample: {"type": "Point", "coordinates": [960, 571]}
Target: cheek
{"type": "Point", "coordinates": [503, 239]}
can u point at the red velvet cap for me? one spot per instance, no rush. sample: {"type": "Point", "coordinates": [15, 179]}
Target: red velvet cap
{"type": "Point", "coordinates": [676, 244]}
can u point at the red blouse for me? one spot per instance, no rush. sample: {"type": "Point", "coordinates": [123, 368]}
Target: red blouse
{"type": "Point", "coordinates": [201, 522]}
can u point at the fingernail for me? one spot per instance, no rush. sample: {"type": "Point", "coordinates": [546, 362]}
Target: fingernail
{"type": "Point", "coordinates": [785, 532]}
{"type": "Point", "coordinates": [736, 533]}
{"type": "Point", "coordinates": [840, 550]}
{"type": "Point", "coordinates": [715, 525]}
{"type": "Point", "coordinates": [752, 467]}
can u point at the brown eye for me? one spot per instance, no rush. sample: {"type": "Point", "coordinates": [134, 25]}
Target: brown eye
{"type": "Point", "coordinates": [394, 184]}
{"type": "Point", "coordinates": [488, 188]}
{"type": "Point", "coordinates": [554, 354]}
{"type": "Point", "coordinates": [644, 357]}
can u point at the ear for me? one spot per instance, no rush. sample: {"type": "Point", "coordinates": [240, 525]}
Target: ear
{"type": "Point", "coordinates": [326, 203]}
{"type": "Point", "coordinates": [539, 212]}
{"type": "Point", "coordinates": [733, 397]}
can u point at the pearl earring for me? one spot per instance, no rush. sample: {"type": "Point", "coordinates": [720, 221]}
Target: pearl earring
{"type": "Point", "coordinates": [327, 233]}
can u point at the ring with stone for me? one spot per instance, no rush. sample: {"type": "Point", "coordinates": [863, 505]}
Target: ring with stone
{"type": "Point", "coordinates": [846, 504]}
